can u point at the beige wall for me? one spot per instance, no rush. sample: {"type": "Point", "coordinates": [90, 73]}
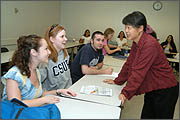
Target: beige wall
{"type": "Point", "coordinates": [76, 16]}
{"type": "Point", "coordinates": [33, 17]}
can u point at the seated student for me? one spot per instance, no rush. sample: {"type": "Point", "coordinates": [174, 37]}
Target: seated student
{"type": "Point", "coordinates": [56, 74]}
{"type": "Point", "coordinates": [89, 60]}
{"type": "Point", "coordinates": [122, 42]}
{"type": "Point", "coordinates": [86, 36]}
{"type": "Point", "coordinates": [108, 34]}
{"type": "Point", "coordinates": [121, 39]}
{"type": "Point", "coordinates": [23, 80]}
{"type": "Point", "coordinates": [169, 45]}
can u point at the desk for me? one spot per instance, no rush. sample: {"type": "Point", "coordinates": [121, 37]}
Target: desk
{"type": "Point", "coordinates": [170, 55]}
{"type": "Point", "coordinates": [97, 80]}
{"type": "Point", "coordinates": [173, 60]}
{"type": "Point", "coordinates": [6, 56]}
{"type": "Point", "coordinates": [174, 63]}
{"type": "Point", "coordinates": [110, 61]}
{"type": "Point", "coordinates": [77, 109]}
{"type": "Point", "coordinates": [71, 45]}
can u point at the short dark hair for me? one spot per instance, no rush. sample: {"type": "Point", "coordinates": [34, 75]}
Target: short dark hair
{"type": "Point", "coordinates": [96, 32]}
{"type": "Point", "coordinates": [135, 19]}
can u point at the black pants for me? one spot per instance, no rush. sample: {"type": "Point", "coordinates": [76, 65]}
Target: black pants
{"type": "Point", "coordinates": [160, 104]}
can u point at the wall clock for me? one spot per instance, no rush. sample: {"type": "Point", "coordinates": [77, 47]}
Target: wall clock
{"type": "Point", "coordinates": [157, 5]}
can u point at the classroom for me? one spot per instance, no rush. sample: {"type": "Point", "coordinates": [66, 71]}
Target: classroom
{"type": "Point", "coordinates": [19, 18]}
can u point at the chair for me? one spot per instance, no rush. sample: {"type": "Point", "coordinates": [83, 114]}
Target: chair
{"type": "Point", "coordinates": [4, 49]}
{"type": "Point", "coordinates": [4, 66]}
{"type": "Point", "coordinates": [1, 89]}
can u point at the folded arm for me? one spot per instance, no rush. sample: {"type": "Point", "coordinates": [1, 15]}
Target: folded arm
{"type": "Point", "coordinates": [93, 71]}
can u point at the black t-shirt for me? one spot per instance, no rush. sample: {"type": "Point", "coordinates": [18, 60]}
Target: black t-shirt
{"type": "Point", "coordinates": [86, 56]}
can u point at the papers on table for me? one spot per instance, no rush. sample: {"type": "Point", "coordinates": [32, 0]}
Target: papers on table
{"type": "Point", "coordinates": [96, 90]}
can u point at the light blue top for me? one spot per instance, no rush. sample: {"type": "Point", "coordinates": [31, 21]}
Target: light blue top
{"type": "Point", "coordinates": [28, 91]}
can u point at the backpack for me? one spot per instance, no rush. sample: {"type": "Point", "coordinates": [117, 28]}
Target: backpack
{"type": "Point", "coordinates": [15, 109]}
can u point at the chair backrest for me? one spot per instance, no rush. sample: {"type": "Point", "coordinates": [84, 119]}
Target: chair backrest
{"type": "Point", "coordinates": [4, 49]}
{"type": "Point", "coordinates": [1, 89]}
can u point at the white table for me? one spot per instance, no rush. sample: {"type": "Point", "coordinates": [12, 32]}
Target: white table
{"type": "Point", "coordinates": [76, 109]}
{"type": "Point", "coordinates": [97, 80]}
{"type": "Point", "coordinates": [174, 64]}
{"type": "Point", "coordinates": [116, 69]}
{"type": "Point", "coordinates": [71, 45]}
{"type": "Point", "coordinates": [173, 60]}
{"type": "Point", "coordinates": [113, 62]}
{"type": "Point", "coordinates": [6, 56]}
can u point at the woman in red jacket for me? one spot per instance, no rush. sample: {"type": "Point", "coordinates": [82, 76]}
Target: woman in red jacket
{"type": "Point", "coordinates": [147, 71]}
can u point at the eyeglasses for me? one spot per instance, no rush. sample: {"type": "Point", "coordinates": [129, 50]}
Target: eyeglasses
{"type": "Point", "coordinates": [52, 27]}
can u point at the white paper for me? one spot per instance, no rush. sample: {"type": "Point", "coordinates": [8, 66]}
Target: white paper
{"type": "Point", "coordinates": [96, 90]}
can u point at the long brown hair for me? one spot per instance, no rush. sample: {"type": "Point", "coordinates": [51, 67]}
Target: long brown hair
{"type": "Point", "coordinates": [21, 56]}
{"type": "Point", "coordinates": [52, 31]}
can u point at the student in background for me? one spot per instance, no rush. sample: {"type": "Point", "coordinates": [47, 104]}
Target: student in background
{"type": "Point", "coordinates": [108, 34]}
{"type": "Point", "coordinates": [86, 36]}
{"type": "Point", "coordinates": [56, 74]}
{"type": "Point", "coordinates": [121, 39]}
{"type": "Point", "coordinates": [23, 80]}
{"type": "Point", "coordinates": [147, 71]}
{"type": "Point", "coordinates": [89, 60]}
{"type": "Point", "coordinates": [169, 45]}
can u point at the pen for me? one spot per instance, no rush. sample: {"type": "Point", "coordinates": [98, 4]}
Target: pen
{"type": "Point", "coordinates": [93, 91]}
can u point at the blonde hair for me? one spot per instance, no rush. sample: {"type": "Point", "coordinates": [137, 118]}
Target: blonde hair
{"type": "Point", "coordinates": [52, 31]}
{"type": "Point", "coordinates": [108, 31]}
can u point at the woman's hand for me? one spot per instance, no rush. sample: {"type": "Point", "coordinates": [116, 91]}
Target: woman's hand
{"type": "Point", "coordinates": [118, 48]}
{"type": "Point", "coordinates": [108, 71]}
{"type": "Point", "coordinates": [49, 99]}
{"type": "Point", "coordinates": [122, 98]}
{"type": "Point", "coordinates": [66, 92]}
{"type": "Point", "coordinates": [109, 81]}
{"type": "Point", "coordinates": [164, 46]}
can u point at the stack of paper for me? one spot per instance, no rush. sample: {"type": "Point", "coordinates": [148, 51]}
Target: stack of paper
{"type": "Point", "coordinates": [96, 90]}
